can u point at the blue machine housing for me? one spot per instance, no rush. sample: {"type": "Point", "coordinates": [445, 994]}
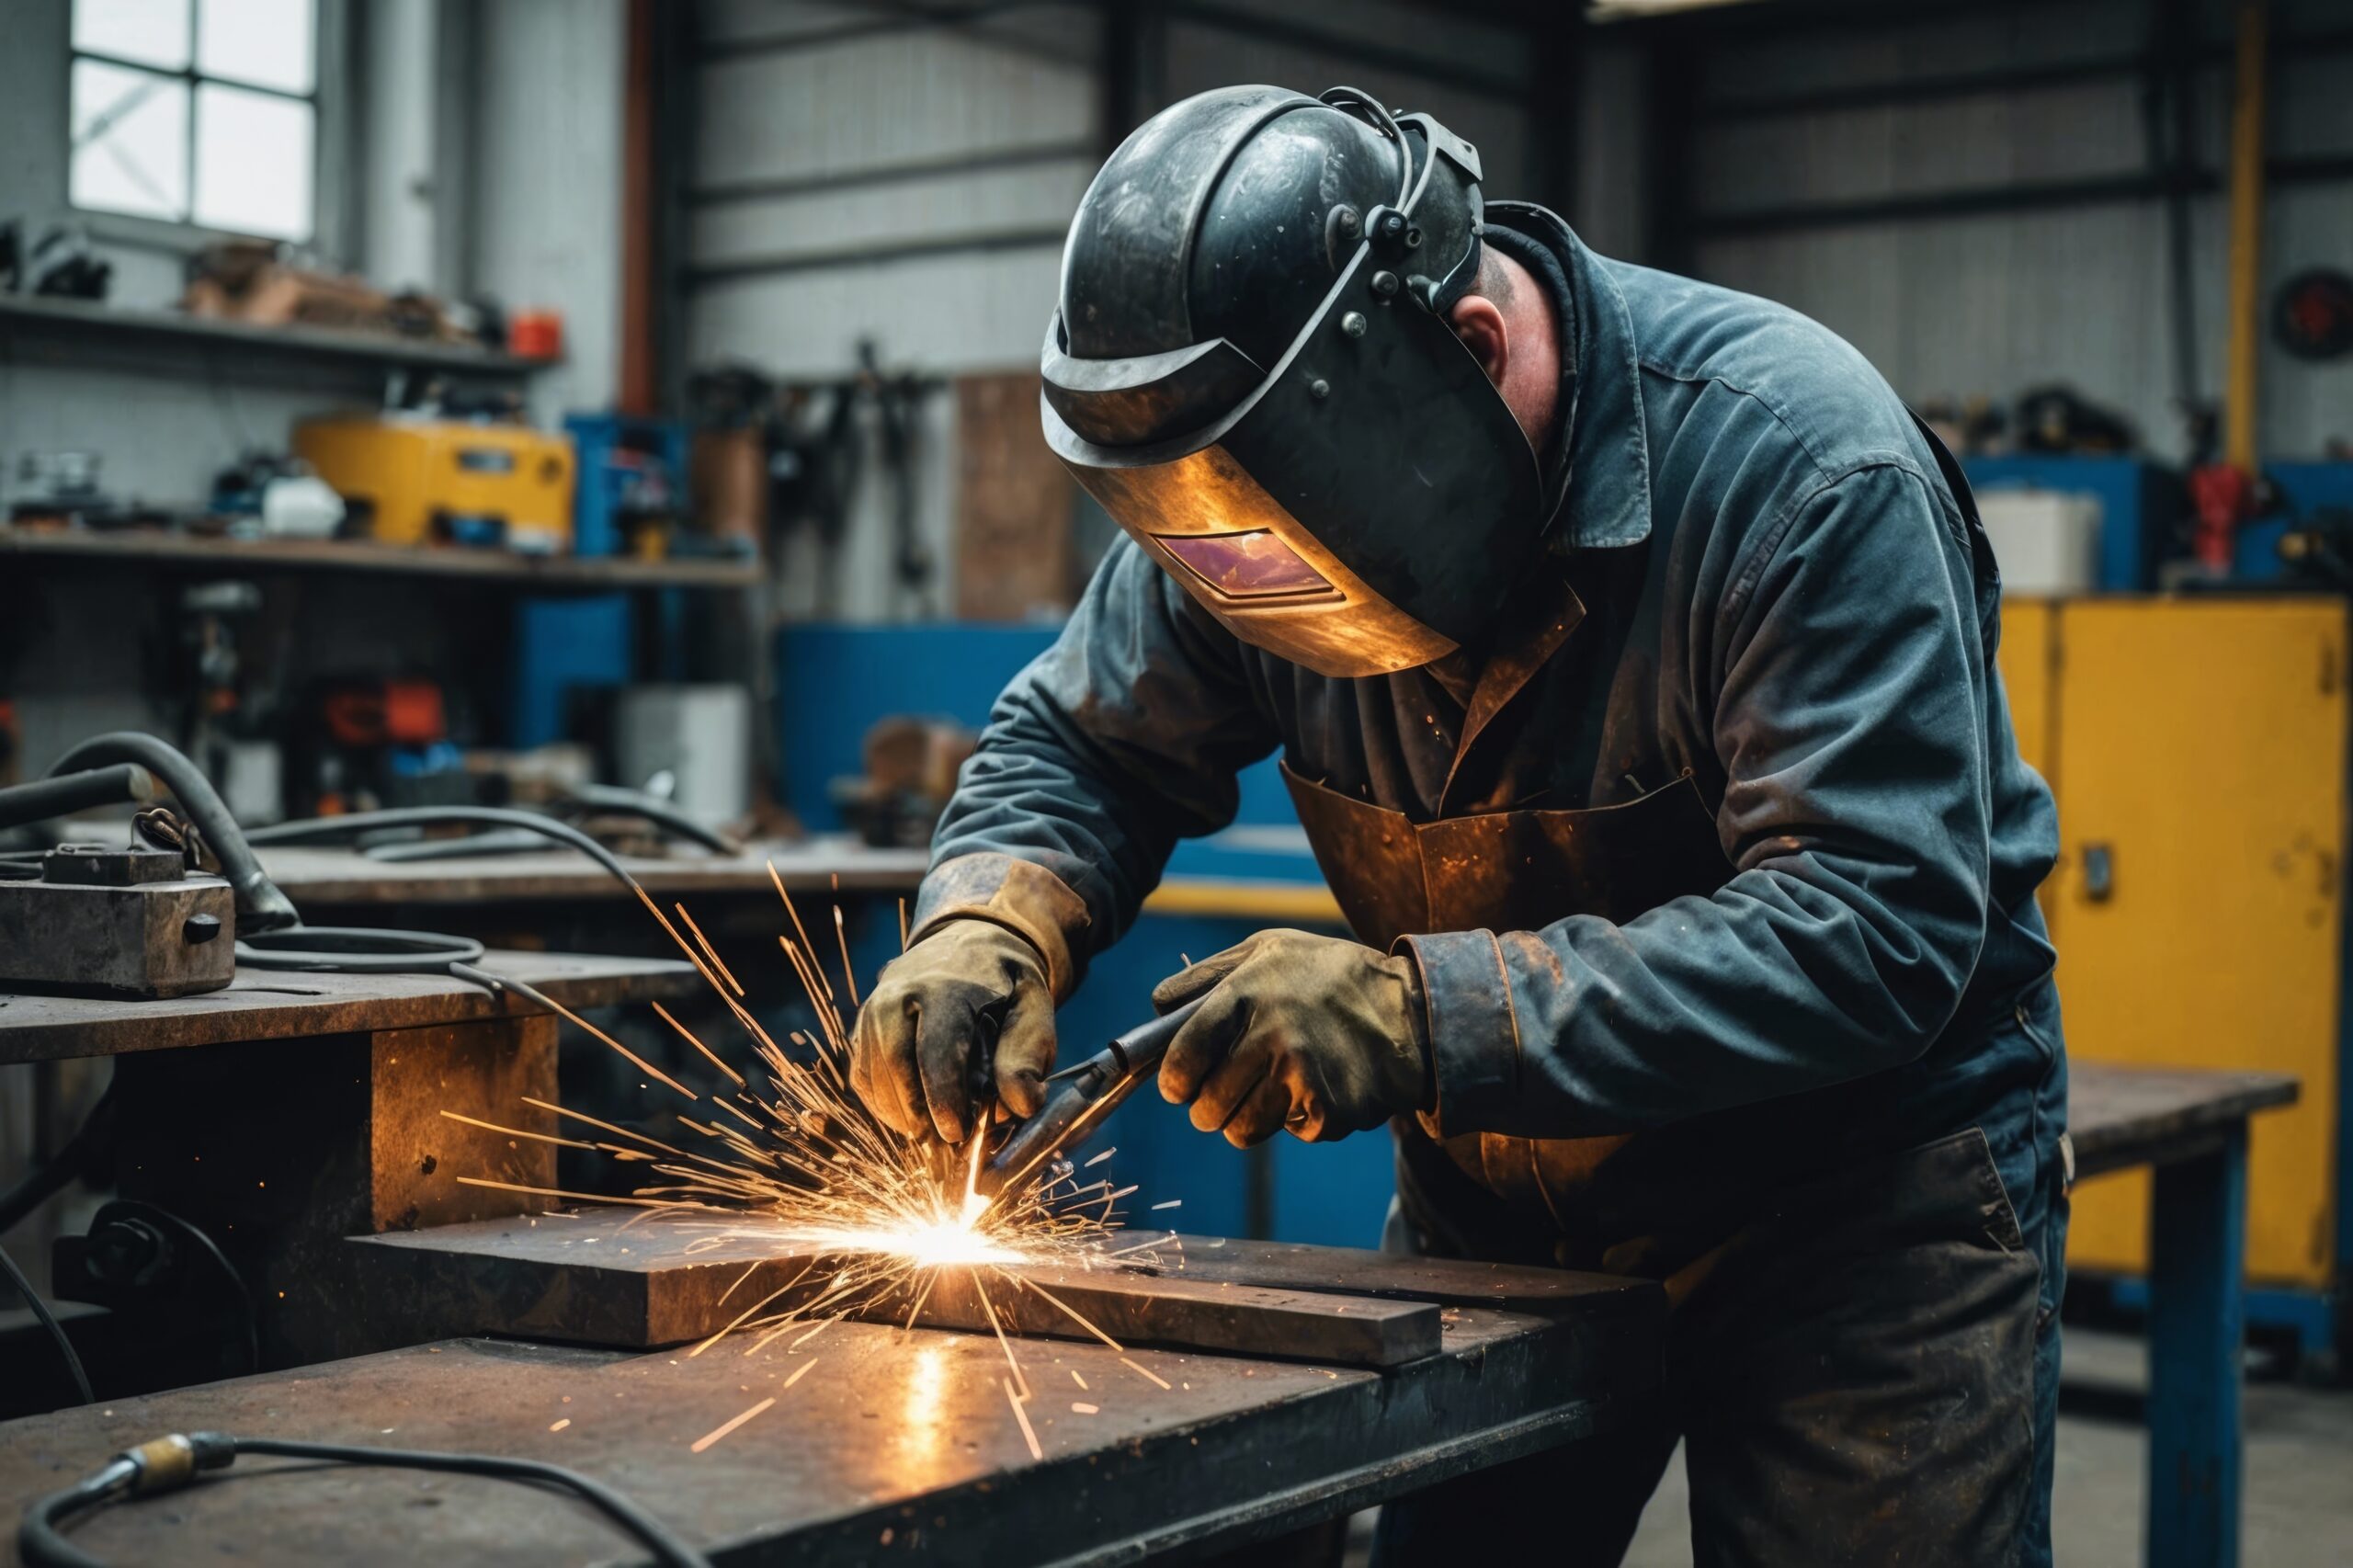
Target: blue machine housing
{"type": "Point", "coordinates": [2138, 507]}
{"type": "Point", "coordinates": [2306, 490]}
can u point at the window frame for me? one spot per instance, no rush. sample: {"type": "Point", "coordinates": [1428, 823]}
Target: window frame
{"type": "Point", "coordinates": [331, 105]}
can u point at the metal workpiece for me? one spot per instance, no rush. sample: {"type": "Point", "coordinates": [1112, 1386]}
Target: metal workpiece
{"type": "Point", "coordinates": [128, 924]}
{"type": "Point", "coordinates": [1168, 1309]}
{"type": "Point", "coordinates": [881, 1446]}
{"type": "Point", "coordinates": [615, 1276]}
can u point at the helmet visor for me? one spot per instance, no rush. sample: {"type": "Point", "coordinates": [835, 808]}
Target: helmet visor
{"type": "Point", "coordinates": [1253, 565]}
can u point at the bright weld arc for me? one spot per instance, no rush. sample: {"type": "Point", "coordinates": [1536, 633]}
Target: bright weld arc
{"type": "Point", "coordinates": [812, 1170]}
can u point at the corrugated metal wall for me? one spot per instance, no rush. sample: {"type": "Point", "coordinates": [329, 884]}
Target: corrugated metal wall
{"type": "Point", "coordinates": [1995, 301]}
{"type": "Point", "coordinates": [859, 172]}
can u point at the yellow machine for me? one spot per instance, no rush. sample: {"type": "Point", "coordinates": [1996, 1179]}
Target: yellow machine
{"type": "Point", "coordinates": [440, 481]}
{"type": "Point", "coordinates": [2197, 750]}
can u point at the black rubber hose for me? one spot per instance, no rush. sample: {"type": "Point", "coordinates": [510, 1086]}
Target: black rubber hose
{"type": "Point", "coordinates": [466, 846]}
{"type": "Point", "coordinates": [48, 1179]}
{"type": "Point", "coordinates": [313, 828]}
{"type": "Point", "coordinates": [48, 1321]}
{"type": "Point", "coordinates": [357, 949]}
{"type": "Point", "coordinates": [260, 907]}
{"type": "Point", "coordinates": [38, 1538]}
{"type": "Point", "coordinates": [125, 783]}
{"type": "Point", "coordinates": [660, 812]}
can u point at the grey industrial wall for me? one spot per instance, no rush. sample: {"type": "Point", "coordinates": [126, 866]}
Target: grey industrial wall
{"type": "Point", "coordinates": [1996, 301]}
{"type": "Point", "coordinates": [470, 145]}
{"type": "Point", "coordinates": [811, 225]}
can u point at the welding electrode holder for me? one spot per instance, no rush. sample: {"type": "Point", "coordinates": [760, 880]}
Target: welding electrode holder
{"type": "Point", "coordinates": [1079, 1097]}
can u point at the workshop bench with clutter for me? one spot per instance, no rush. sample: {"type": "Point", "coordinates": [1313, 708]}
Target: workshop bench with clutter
{"type": "Point", "coordinates": [1286, 1383]}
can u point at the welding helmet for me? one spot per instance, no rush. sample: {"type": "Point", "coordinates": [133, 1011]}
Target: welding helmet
{"type": "Point", "coordinates": [1252, 369]}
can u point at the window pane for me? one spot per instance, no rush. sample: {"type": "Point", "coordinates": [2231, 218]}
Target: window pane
{"type": "Point", "coordinates": [130, 142]}
{"type": "Point", "coordinates": [153, 31]}
{"type": "Point", "coordinates": [252, 163]}
{"type": "Point", "coordinates": [267, 42]}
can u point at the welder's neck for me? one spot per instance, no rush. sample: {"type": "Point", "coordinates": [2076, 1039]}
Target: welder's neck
{"type": "Point", "coordinates": [1530, 384]}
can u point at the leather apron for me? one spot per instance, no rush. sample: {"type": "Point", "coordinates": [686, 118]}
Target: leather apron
{"type": "Point", "coordinates": [1483, 1194]}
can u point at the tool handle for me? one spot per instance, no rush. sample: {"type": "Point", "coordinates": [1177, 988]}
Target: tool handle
{"type": "Point", "coordinates": [1140, 1048]}
{"type": "Point", "coordinates": [1082, 1095]}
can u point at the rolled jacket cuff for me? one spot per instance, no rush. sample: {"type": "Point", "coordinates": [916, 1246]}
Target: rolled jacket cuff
{"type": "Point", "coordinates": [1474, 1031]}
{"type": "Point", "coordinates": [1023, 897]}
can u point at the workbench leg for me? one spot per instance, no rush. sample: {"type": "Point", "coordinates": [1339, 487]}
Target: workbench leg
{"type": "Point", "coordinates": [2197, 1332]}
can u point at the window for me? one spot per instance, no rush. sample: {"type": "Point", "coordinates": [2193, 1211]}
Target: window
{"type": "Point", "coordinates": [198, 111]}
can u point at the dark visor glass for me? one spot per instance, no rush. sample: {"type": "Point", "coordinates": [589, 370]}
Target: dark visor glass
{"type": "Point", "coordinates": [1253, 565]}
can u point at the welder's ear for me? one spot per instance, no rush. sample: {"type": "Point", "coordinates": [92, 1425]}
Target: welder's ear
{"type": "Point", "coordinates": [1480, 325]}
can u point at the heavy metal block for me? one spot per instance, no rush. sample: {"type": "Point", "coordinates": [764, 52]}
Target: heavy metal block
{"type": "Point", "coordinates": [280, 1149]}
{"type": "Point", "coordinates": [135, 937]}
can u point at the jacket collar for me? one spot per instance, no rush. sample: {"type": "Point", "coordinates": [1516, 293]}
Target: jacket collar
{"type": "Point", "coordinates": [1599, 481]}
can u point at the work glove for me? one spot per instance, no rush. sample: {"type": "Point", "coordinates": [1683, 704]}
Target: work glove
{"type": "Point", "coordinates": [1320, 1035]}
{"type": "Point", "coordinates": [963, 981]}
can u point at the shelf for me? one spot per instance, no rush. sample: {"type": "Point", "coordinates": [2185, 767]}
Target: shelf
{"type": "Point", "coordinates": [188, 552]}
{"type": "Point", "coordinates": [72, 318]}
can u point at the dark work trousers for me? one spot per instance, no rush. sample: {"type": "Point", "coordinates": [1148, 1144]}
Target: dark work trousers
{"type": "Point", "coordinates": [1866, 1374]}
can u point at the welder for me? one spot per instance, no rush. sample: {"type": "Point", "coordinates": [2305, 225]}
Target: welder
{"type": "Point", "coordinates": [1629, 650]}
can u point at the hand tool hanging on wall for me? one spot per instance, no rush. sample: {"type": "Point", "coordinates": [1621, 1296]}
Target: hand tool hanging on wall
{"type": "Point", "coordinates": [817, 434]}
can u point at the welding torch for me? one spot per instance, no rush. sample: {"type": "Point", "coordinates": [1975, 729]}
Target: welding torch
{"type": "Point", "coordinates": [1077, 1100]}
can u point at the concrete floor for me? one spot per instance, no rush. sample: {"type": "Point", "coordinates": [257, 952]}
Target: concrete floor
{"type": "Point", "coordinates": [2299, 1487]}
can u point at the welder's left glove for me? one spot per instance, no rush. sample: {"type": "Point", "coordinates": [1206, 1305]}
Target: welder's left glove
{"type": "Point", "coordinates": [1324, 1036]}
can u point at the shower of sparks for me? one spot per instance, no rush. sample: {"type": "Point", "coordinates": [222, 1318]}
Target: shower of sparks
{"type": "Point", "coordinates": [729, 1424]}
{"type": "Point", "coordinates": [789, 1159]}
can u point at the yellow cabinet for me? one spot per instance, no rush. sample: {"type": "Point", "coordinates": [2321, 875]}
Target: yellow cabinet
{"type": "Point", "coordinates": [2197, 749]}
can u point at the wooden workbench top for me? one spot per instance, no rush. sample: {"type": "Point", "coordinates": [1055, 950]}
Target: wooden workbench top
{"type": "Point", "coordinates": [284, 1003]}
{"type": "Point", "coordinates": [345, 877]}
{"type": "Point", "coordinates": [2120, 1116]}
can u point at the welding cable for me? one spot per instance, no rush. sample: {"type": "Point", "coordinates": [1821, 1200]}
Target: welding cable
{"type": "Point", "coordinates": [53, 1175]}
{"type": "Point", "coordinates": [589, 799]}
{"type": "Point", "coordinates": [270, 930]}
{"type": "Point", "coordinates": [260, 907]}
{"type": "Point", "coordinates": [166, 1464]}
{"type": "Point", "coordinates": [357, 949]}
{"type": "Point", "coordinates": [48, 1321]}
{"type": "Point", "coordinates": [368, 950]}
{"type": "Point", "coordinates": [619, 802]}
{"type": "Point", "coordinates": [61, 794]}
{"type": "Point", "coordinates": [313, 828]}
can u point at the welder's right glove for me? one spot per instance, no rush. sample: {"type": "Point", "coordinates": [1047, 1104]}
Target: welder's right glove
{"type": "Point", "coordinates": [962, 980]}
{"type": "Point", "coordinates": [1318, 1034]}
